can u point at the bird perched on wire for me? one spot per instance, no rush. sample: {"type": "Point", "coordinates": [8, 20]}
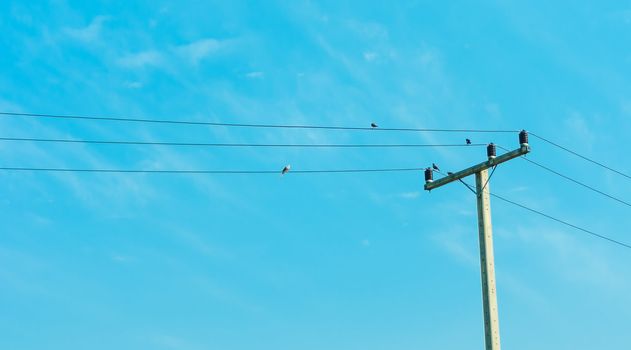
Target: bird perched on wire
{"type": "Point", "coordinates": [435, 167]}
{"type": "Point", "coordinates": [285, 169]}
{"type": "Point", "coordinates": [374, 125]}
{"type": "Point", "coordinates": [468, 141]}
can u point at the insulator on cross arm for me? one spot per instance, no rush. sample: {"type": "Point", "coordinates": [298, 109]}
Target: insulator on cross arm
{"type": "Point", "coordinates": [491, 150]}
{"type": "Point", "coordinates": [523, 138]}
{"type": "Point", "coordinates": [429, 175]}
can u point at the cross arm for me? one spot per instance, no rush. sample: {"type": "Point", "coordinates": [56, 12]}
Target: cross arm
{"type": "Point", "coordinates": [523, 149]}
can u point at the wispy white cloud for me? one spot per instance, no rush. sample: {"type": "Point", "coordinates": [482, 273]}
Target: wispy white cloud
{"type": "Point", "coordinates": [460, 244]}
{"type": "Point", "coordinates": [133, 84]}
{"type": "Point", "coordinates": [569, 257]}
{"type": "Point", "coordinates": [119, 258]}
{"type": "Point", "coordinates": [410, 195]}
{"type": "Point", "coordinates": [526, 292]}
{"type": "Point", "coordinates": [428, 57]}
{"type": "Point", "coordinates": [9, 106]}
{"type": "Point", "coordinates": [370, 56]}
{"type": "Point", "coordinates": [578, 126]}
{"type": "Point", "coordinates": [165, 341]}
{"type": "Point", "coordinates": [255, 75]}
{"type": "Point", "coordinates": [17, 269]}
{"type": "Point", "coordinates": [518, 189]}
{"type": "Point", "coordinates": [192, 53]}
{"type": "Point", "coordinates": [493, 110]}
{"type": "Point", "coordinates": [141, 59]}
{"type": "Point", "coordinates": [368, 30]}
{"type": "Point", "coordinates": [89, 33]}
{"type": "Point", "coordinates": [198, 243]}
{"type": "Point", "coordinates": [111, 194]}
{"type": "Point", "coordinates": [225, 295]}
{"type": "Point", "coordinates": [198, 50]}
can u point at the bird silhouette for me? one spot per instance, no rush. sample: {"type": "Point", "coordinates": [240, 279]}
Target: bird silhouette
{"type": "Point", "coordinates": [373, 125]}
{"type": "Point", "coordinates": [468, 141]}
{"type": "Point", "coordinates": [435, 167]}
{"type": "Point", "coordinates": [285, 169]}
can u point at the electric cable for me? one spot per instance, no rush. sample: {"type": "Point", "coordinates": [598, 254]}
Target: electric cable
{"type": "Point", "coordinates": [620, 243]}
{"type": "Point", "coordinates": [206, 144]}
{"type": "Point", "coordinates": [562, 221]}
{"type": "Point", "coordinates": [246, 125]}
{"type": "Point", "coordinates": [178, 171]}
{"type": "Point", "coordinates": [573, 180]}
{"type": "Point", "coordinates": [581, 156]}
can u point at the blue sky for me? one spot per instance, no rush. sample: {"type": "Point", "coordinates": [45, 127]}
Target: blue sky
{"type": "Point", "coordinates": [336, 261]}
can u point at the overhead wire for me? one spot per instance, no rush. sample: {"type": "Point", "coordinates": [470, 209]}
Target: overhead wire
{"type": "Point", "coordinates": [178, 171]}
{"type": "Point", "coordinates": [212, 144]}
{"type": "Point", "coordinates": [591, 188]}
{"type": "Point", "coordinates": [562, 221]}
{"type": "Point", "coordinates": [325, 127]}
{"type": "Point", "coordinates": [581, 156]}
{"type": "Point", "coordinates": [315, 171]}
{"type": "Point", "coordinates": [246, 125]}
{"type": "Point", "coordinates": [597, 235]}
{"type": "Point", "coordinates": [577, 182]}
{"type": "Point", "coordinates": [289, 126]}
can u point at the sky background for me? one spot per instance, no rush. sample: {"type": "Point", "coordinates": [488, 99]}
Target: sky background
{"type": "Point", "coordinates": [335, 261]}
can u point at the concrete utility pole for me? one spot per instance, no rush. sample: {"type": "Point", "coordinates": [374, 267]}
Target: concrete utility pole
{"type": "Point", "coordinates": [487, 262]}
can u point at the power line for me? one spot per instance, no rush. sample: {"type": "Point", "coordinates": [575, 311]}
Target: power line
{"type": "Point", "coordinates": [244, 125]}
{"type": "Point", "coordinates": [330, 171]}
{"type": "Point", "coordinates": [578, 182]}
{"type": "Point", "coordinates": [582, 156]}
{"type": "Point", "coordinates": [551, 217]}
{"type": "Point", "coordinates": [573, 180]}
{"type": "Point", "coordinates": [236, 144]}
{"type": "Point", "coordinates": [284, 126]}
{"type": "Point", "coordinates": [562, 221]}
{"type": "Point", "coordinates": [159, 171]}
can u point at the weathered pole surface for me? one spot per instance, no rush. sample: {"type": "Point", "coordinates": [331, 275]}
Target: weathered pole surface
{"type": "Point", "coordinates": [487, 262]}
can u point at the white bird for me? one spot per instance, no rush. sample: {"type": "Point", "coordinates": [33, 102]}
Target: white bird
{"type": "Point", "coordinates": [285, 169]}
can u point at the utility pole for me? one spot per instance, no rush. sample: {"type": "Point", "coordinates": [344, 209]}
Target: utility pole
{"type": "Point", "coordinates": [487, 262]}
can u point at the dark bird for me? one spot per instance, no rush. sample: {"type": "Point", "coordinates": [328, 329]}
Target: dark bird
{"type": "Point", "coordinates": [285, 169]}
{"type": "Point", "coordinates": [449, 173]}
{"type": "Point", "coordinates": [468, 141]}
{"type": "Point", "coordinates": [435, 167]}
{"type": "Point", "coordinates": [373, 125]}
